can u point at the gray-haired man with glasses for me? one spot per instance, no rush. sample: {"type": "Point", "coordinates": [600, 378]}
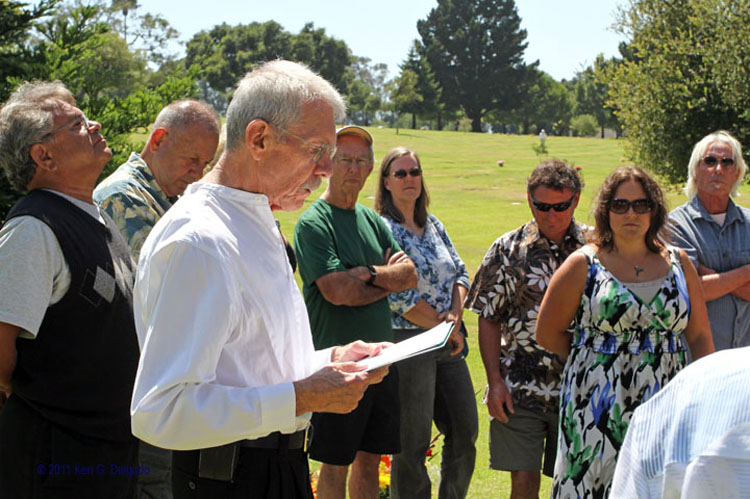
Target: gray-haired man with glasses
{"type": "Point", "coordinates": [715, 234]}
{"type": "Point", "coordinates": [68, 349]}
{"type": "Point", "coordinates": [228, 374]}
{"type": "Point", "coordinates": [349, 263]}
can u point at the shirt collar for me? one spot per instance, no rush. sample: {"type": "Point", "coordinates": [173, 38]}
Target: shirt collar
{"type": "Point", "coordinates": [532, 234]}
{"type": "Point", "coordinates": [696, 210]}
{"type": "Point", "coordinates": [142, 169]}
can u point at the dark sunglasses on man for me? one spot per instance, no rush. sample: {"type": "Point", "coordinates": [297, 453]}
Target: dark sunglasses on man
{"type": "Point", "coordinates": [621, 206]}
{"type": "Point", "coordinates": [401, 174]}
{"type": "Point", "coordinates": [726, 163]}
{"type": "Point", "coordinates": [545, 207]}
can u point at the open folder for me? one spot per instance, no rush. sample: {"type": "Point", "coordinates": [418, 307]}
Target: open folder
{"type": "Point", "coordinates": [422, 343]}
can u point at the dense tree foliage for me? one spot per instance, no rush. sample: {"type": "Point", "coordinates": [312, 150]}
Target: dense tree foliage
{"type": "Point", "coordinates": [225, 53]}
{"type": "Point", "coordinates": [475, 48]}
{"type": "Point", "coordinates": [548, 105]}
{"type": "Point", "coordinates": [686, 74]}
{"type": "Point", "coordinates": [110, 81]}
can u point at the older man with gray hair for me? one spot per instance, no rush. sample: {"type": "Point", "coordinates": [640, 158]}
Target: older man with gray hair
{"type": "Point", "coordinates": [182, 142]}
{"type": "Point", "coordinates": [68, 349]}
{"type": "Point", "coordinates": [228, 374]}
{"type": "Point", "coordinates": [715, 234]}
{"type": "Point", "coordinates": [136, 195]}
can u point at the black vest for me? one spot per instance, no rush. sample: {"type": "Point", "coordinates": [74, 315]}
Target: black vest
{"type": "Point", "coordinates": [79, 370]}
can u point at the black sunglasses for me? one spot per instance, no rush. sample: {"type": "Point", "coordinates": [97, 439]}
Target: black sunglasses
{"type": "Point", "coordinates": [545, 207]}
{"type": "Point", "coordinates": [414, 172]}
{"type": "Point", "coordinates": [726, 163]}
{"type": "Point", "coordinates": [621, 206]}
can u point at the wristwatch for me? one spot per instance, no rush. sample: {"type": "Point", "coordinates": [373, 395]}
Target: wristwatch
{"type": "Point", "coordinates": [373, 275]}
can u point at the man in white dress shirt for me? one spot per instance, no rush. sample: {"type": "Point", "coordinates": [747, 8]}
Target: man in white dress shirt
{"type": "Point", "coordinates": [228, 375]}
{"type": "Point", "coordinates": [692, 439]}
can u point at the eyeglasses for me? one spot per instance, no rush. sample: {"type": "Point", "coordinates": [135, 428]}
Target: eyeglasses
{"type": "Point", "coordinates": [347, 161]}
{"type": "Point", "coordinates": [401, 174]}
{"type": "Point", "coordinates": [81, 121]}
{"type": "Point", "coordinates": [545, 207]}
{"type": "Point", "coordinates": [317, 150]}
{"type": "Point", "coordinates": [712, 161]}
{"type": "Point", "coordinates": [621, 206]}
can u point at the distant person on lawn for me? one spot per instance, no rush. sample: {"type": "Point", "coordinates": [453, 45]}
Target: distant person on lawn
{"type": "Point", "coordinates": [523, 378]}
{"type": "Point", "coordinates": [138, 193]}
{"type": "Point", "coordinates": [68, 348]}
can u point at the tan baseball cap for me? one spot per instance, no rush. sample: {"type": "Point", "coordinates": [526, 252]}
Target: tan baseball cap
{"type": "Point", "coordinates": [355, 130]}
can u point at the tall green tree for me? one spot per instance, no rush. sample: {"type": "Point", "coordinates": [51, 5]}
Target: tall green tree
{"type": "Point", "coordinates": [591, 92]}
{"type": "Point", "coordinates": [426, 86]}
{"type": "Point", "coordinates": [687, 74]}
{"type": "Point", "coordinates": [475, 48]}
{"type": "Point", "coordinates": [405, 94]}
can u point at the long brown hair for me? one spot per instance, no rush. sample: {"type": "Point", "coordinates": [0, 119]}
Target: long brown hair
{"type": "Point", "coordinates": [384, 200]}
{"type": "Point", "coordinates": [657, 235]}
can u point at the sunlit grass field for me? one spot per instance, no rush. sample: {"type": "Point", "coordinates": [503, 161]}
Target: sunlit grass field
{"type": "Point", "coordinates": [477, 201]}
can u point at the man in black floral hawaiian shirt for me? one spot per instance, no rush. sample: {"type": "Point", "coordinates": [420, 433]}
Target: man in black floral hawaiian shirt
{"type": "Point", "coordinates": [524, 378]}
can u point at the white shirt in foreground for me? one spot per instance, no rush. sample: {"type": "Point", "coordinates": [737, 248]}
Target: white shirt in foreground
{"type": "Point", "coordinates": [222, 325]}
{"type": "Point", "coordinates": [693, 436]}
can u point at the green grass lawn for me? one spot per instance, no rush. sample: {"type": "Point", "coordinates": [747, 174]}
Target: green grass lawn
{"type": "Point", "coordinates": [477, 201]}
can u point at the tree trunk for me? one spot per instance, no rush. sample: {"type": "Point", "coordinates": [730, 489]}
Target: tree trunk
{"type": "Point", "coordinates": [413, 121]}
{"type": "Point", "coordinates": [476, 123]}
{"type": "Point", "coordinates": [602, 131]}
{"type": "Point", "coordinates": [439, 121]}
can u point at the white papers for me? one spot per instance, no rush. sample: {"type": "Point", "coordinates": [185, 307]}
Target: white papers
{"type": "Point", "coordinates": [419, 344]}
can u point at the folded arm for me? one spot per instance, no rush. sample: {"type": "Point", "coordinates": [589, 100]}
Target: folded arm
{"type": "Point", "coordinates": [351, 287]}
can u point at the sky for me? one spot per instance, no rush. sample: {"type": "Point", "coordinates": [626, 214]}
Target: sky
{"type": "Point", "coordinates": [564, 35]}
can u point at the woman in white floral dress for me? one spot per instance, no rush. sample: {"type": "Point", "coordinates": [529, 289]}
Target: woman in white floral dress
{"type": "Point", "coordinates": [637, 305]}
{"type": "Point", "coordinates": [435, 386]}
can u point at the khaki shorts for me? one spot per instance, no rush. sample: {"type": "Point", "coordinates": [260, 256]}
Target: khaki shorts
{"type": "Point", "coordinates": [519, 444]}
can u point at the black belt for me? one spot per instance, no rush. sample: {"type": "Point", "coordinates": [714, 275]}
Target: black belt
{"type": "Point", "coordinates": [277, 440]}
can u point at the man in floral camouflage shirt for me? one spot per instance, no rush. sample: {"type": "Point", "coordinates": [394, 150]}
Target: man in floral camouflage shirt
{"type": "Point", "coordinates": [136, 195]}
{"type": "Point", "coordinates": [523, 378]}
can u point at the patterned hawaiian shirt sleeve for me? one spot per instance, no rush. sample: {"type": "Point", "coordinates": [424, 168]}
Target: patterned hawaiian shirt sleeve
{"type": "Point", "coordinates": [488, 295]}
{"type": "Point", "coordinates": [134, 217]}
{"type": "Point", "coordinates": [462, 276]}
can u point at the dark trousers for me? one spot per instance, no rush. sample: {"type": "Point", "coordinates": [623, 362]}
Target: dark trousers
{"type": "Point", "coordinates": [41, 460]}
{"type": "Point", "coordinates": [434, 387]}
{"type": "Point", "coordinates": [261, 473]}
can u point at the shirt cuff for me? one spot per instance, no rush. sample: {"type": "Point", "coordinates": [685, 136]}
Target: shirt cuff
{"type": "Point", "coordinates": [278, 407]}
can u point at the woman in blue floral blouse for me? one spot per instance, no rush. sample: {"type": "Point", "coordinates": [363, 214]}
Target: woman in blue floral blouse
{"type": "Point", "coordinates": [435, 386]}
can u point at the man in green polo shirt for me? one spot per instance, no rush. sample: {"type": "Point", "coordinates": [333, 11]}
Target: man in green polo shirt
{"type": "Point", "coordinates": [349, 263]}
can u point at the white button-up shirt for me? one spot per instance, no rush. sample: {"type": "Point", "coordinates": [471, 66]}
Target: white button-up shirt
{"type": "Point", "coordinates": [222, 326]}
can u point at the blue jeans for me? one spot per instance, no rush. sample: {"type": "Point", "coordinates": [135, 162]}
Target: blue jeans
{"type": "Point", "coordinates": [434, 386]}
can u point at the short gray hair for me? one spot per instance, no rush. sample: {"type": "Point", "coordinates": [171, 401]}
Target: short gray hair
{"type": "Point", "coordinates": [276, 92]}
{"type": "Point", "coordinates": [185, 113]}
{"type": "Point", "coordinates": [691, 188]}
{"type": "Point", "coordinates": [25, 118]}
